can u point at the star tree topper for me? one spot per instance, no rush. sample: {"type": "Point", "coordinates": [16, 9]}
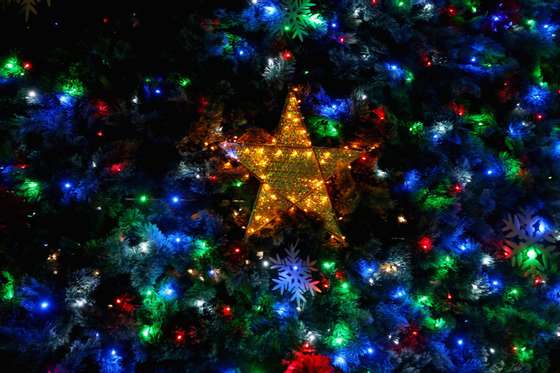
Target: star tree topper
{"type": "Point", "coordinates": [292, 171]}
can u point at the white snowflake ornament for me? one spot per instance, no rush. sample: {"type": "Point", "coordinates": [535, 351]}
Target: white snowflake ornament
{"type": "Point", "coordinates": [294, 275]}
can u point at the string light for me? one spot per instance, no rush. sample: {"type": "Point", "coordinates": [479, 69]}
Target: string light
{"type": "Point", "coordinates": [44, 305]}
{"type": "Point", "coordinates": [425, 243]}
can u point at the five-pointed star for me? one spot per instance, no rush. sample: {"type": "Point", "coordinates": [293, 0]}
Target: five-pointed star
{"type": "Point", "coordinates": [292, 171]}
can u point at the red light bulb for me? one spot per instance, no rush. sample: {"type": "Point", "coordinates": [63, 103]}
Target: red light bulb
{"type": "Point", "coordinates": [425, 243]}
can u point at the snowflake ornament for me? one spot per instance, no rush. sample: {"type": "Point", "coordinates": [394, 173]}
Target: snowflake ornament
{"type": "Point", "coordinates": [294, 275]}
{"type": "Point", "coordinates": [298, 18]}
{"type": "Point", "coordinates": [530, 243]}
{"type": "Point", "coordinates": [278, 70]}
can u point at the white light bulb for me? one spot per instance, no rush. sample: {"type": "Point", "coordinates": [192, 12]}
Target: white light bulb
{"type": "Point", "coordinates": [144, 247]}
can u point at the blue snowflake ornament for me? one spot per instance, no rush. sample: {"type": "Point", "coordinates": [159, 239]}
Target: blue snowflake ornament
{"type": "Point", "coordinates": [294, 275]}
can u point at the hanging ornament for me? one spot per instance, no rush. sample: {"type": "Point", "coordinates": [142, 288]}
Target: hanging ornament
{"type": "Point", "coordinates": [294, 275]}
{"type": "Point", "coordinates": [529, 243]}
{"type": "Point", "coordinates": [292, 171]}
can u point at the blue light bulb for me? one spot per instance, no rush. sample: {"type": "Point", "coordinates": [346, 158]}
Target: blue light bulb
{"type": "Point", "coordinates": [44, 305]}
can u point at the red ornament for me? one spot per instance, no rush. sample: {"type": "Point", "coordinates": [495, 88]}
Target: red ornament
{"type": "Point", "coordinates": [310, 363]}
{"type": "Point", "coordinates": [425, 244]}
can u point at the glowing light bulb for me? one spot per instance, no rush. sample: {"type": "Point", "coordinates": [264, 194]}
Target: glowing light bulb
{"type": "Point", "coordinates": [532, 254]}
{"type": "Point", "coordinates": [65, 99]}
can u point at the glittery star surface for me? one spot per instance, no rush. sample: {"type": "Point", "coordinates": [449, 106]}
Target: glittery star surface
{"type": "Point", "coordinates": [292, 171]}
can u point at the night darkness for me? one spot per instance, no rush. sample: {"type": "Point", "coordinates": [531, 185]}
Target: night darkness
{"type": "Point", "coordinates": [280, 186]}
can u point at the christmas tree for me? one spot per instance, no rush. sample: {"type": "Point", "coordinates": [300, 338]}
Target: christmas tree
{"type": "Point", "coordinates": [280, 186]}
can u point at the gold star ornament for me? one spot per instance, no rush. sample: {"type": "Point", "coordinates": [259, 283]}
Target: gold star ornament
{"type": "Point", "coordinates": [292, 171]}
